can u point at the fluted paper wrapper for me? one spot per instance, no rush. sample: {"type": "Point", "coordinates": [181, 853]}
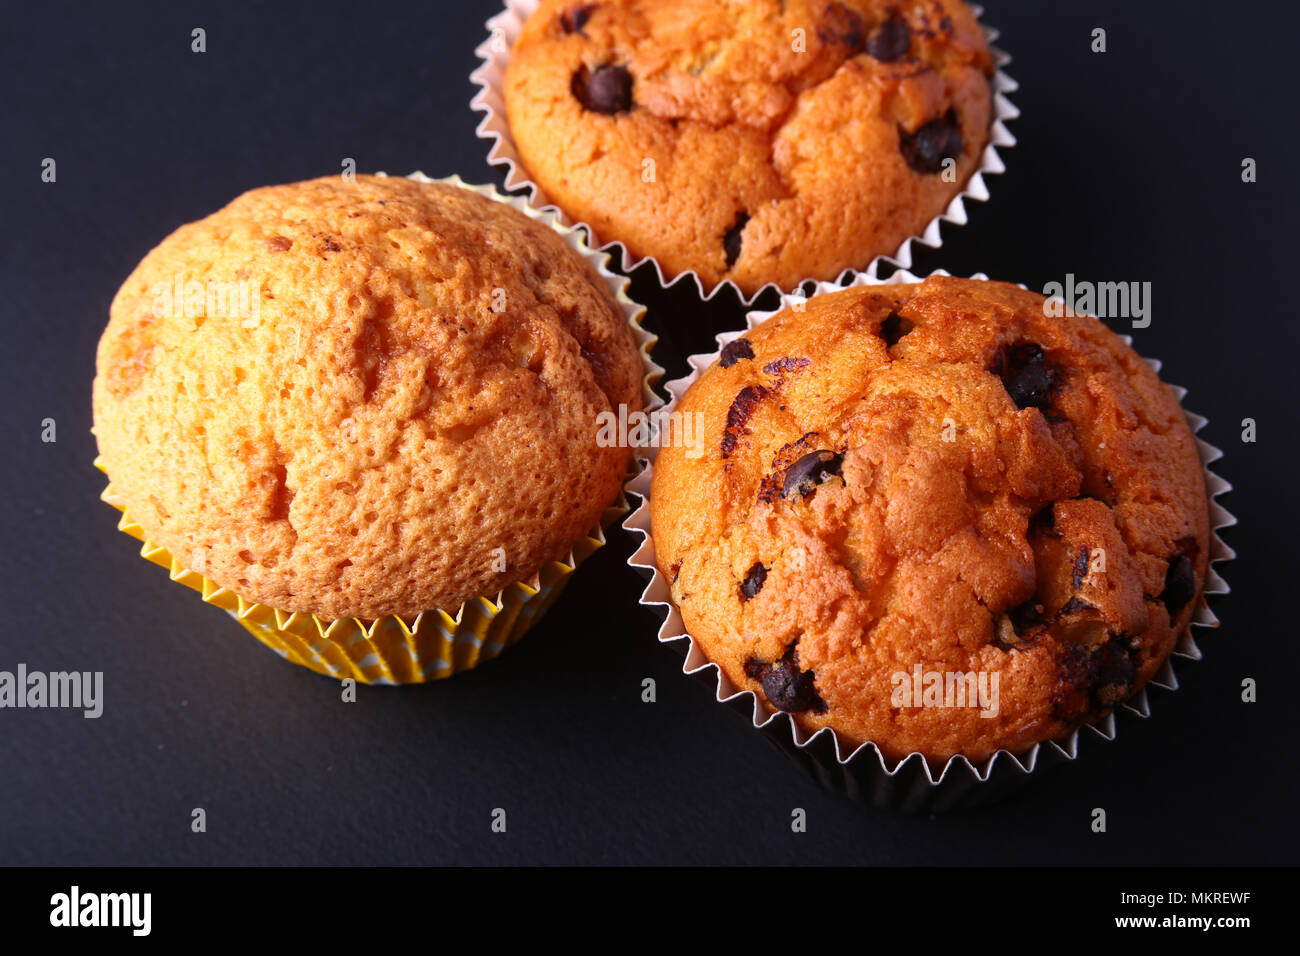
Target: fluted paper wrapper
{"type": "Point", "coordinates": [912, 783]}
{"type": "Point", "coordinates": [504, 29]}
{"type": "Point", "coordinates": [437, 643]}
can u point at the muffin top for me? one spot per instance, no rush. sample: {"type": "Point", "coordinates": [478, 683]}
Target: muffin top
{"type": "Point", "coordinates": [364, 398]}
{"type": "Point", "coordinates": [935, 478]}
{"type": "Point", "coordinates": [764, 141]}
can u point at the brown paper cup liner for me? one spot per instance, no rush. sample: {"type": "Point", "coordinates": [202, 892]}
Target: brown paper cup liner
{"type": "Point", "coordinates": [912, 783]}
{"type": "Point", "coordinates": [504, 28]}
{"type": "Point", "coordinates": [436, 643]}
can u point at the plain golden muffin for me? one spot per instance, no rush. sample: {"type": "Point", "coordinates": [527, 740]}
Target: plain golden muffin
{"type": "Point", "coordinates": [764, 141]}
{"type": "Point", "coordinates": [935, 475]}
{"type": "Point", "coordinates": [406, 420]}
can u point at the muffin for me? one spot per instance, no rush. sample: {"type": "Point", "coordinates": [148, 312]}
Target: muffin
{"type": "Point", "coordinates": [757, 142]}
{"type": "Point", "coordinates": [933, 484]}
{"type": "Point", "coordinates": [364, 400]}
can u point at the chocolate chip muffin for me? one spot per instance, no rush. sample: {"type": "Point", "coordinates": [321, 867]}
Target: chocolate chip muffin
{"type": "Point", "coordinates": [934, 479]}
{"type": "Point", "coordinates": [758, 142]}
{"type": "Point", "coordinates": [369, 398]}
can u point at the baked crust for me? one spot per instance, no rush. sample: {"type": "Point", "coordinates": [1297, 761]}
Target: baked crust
{"type": "Point", "coordinates": [780, 144]}
{"type": "Point", "coordinates": [1000, 492]}
{"type": "Point", "coordinates": [419, 389]}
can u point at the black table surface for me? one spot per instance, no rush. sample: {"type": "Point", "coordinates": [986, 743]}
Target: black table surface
{"type": "Point", "coordinates": [1127, 167]}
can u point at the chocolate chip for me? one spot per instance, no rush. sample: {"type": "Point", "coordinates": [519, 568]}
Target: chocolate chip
{"type": "Point", "coordinates": [785, 686]}
{"type": "Point", "coordinates": [744, 404]}
{"type": "Point", "coordinates": [790, 689]}
{"type": "Point", "coordinates": [732, 240]}
{"type": "Point", "coordinates": [770, 488]}
{"type": "Point", "coordinates": [1113, 673]}
{"type": "Point", "coordinates": [1080, 570]}
{"type": "Point", "coordinates": [780, 366]}
{"type": "Point", "coordinates": [753, 582]}
{"type": "Point", "coordinates": [1027, 376]}
{"type": "Point", "coordinates": [606, 89]}
{"type": "Point", "coordinates": [889, 41]}
{"type": "Point", "coordinates": [575, 18]}
{"type": "Point", "coordinates": [734, 351]}
{"type": "Point", "coordinates": [279, 243]}
{"type": "Point", "coordinates": [839, 24]}
{"type": "Point", "coordinates": [808, 472]}
{"type": "Point", "coordinates": [738, 414]}
{"type": "Point", "coordinates": [1093, 676]}
{"type": "Point", "coordinates": [927, 148]}
{"type": "Point", "coordinates": [894, 328]}
{"type": "Point", "coordinates": [1180, 578]}
{"type": "Point", "coordinates": [1074, 606]}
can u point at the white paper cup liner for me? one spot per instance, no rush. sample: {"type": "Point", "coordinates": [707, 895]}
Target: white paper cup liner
{"type": "Point", "coordinates": [504, 29]}
{"type": "Point", "coordinates": [911, 783]}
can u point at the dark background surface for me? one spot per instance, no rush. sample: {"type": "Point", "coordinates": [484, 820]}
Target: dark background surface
{"type": "Point", "coordinates": [1127, 168]}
